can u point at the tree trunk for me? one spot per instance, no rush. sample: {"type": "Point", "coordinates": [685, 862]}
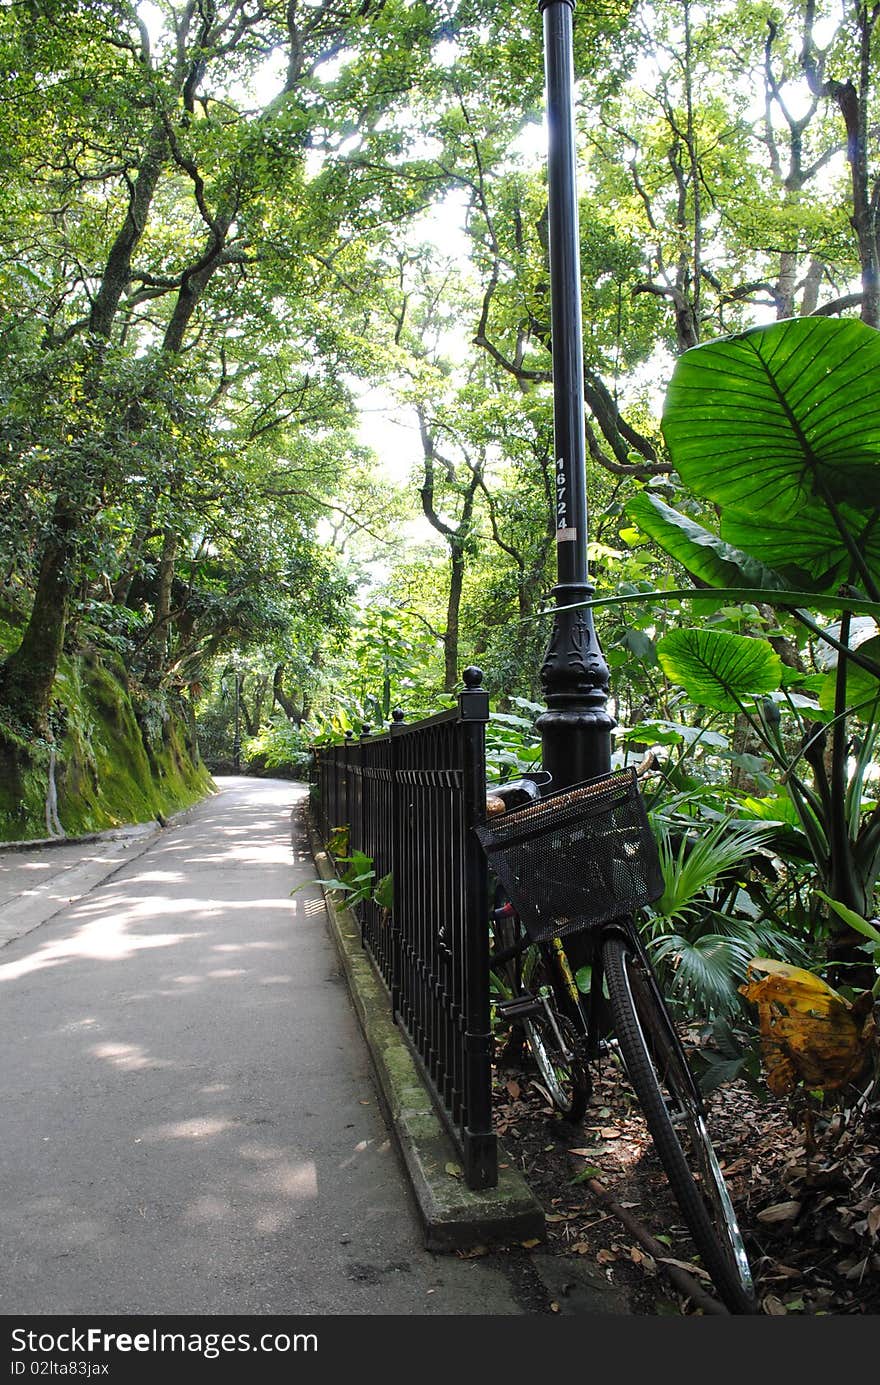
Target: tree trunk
{"type": "Point", "coordinates": [117, 271]}
{"type": "Point", "coordinates": [158, 638]}
{"type": "Point", "coordinates": [453, 611]}
{"type": "Point", "coordinates": [27, 676]}
{"type": "Point", "coordinates": [288, 707]}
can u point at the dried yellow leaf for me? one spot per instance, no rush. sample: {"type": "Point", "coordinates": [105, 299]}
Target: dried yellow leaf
{"type": "Point", "coordinates": [809, 1032]}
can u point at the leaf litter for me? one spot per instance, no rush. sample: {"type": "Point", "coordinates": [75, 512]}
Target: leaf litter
{"type": "Point", "coordinates": [807, 1193]}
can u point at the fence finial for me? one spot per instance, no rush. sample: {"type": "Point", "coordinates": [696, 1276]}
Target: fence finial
{"type": "Point", "coordinates": [473, 700]}
{"type": "Point", "coordinates": [398, 714]}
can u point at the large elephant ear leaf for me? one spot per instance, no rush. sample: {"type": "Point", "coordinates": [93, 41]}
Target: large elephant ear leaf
{"type": "Point", "coordinates": [780, 425]}
{"type": "Point", "coordinates": [704, 555]}
{"type": "Point", "coordinates": [718, 669]}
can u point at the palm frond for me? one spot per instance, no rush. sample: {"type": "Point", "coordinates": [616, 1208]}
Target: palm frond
{"type": "Point", "coordinates": [761, 937]}
{"type": "Point", "coordinates": [691, 866]}
{"type": "Point", "coordinates": [705, 971]}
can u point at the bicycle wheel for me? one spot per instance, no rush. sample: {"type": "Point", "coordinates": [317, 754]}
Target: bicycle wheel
{"type": "Point", "coordinates": [566, 1079]}
{"type": "Point", "coordinates": [658, 1071]}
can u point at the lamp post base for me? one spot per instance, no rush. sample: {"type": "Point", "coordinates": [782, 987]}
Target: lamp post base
{"type": "Point", "coordinates": [576, 727]}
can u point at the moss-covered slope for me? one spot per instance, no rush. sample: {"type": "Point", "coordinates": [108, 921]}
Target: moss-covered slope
{"type": "Point", "coordinates": [116, 755]}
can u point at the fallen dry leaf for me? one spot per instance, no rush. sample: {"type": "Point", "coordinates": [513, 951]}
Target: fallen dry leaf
{"type": "Point", "coordinates": [774, 1306]}
{"type": "Point", "coordinates": [779, 1212]}
{"type": "Point", "coordinates": [809, 1032]}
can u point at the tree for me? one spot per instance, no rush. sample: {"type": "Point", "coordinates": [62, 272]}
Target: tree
{"type": "Point", "coordinates": [168, 289]}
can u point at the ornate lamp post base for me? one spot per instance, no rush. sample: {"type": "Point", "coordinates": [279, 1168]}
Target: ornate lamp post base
{"type": "Point", "coordinates": [576, 728]}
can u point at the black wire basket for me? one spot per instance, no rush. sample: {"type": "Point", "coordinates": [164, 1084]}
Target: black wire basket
{"type": "Point", "coordinates": [576, 858]}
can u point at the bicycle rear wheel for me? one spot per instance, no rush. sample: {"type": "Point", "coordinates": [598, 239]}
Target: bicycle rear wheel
{"type": "Point", "coordinates": [657, 1068]}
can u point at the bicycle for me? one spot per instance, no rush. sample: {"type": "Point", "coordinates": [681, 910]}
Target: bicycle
{"type": "Point", "coordinates": [530, 980]}
{"type": "Point", "coordinates": [580, 861]}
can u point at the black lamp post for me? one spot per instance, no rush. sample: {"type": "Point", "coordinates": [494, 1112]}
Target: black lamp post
{"type": "Point", "coordinates": [576, 728]}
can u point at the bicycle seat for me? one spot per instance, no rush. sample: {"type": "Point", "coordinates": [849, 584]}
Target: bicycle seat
{"type": "Point", "coordinates": [515, 793]}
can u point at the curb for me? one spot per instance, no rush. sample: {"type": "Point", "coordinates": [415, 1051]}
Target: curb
{"type": "Point", "coordinates": [133, 830]}
{"type": "Point", "coordinates": [112, 834]}
{"type": "Point", "coordinates": [454, 1217]}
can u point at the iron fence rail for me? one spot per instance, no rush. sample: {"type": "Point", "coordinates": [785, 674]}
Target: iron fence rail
{"type": "Point", "coordinates": [410, 798]}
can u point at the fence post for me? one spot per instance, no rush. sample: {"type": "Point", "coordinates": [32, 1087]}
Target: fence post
{"type": "Point", "coordinates": [345, 763]}
{"type": "Point", "coordinates": [480, 1145]}
{"type": "Point", "coordinates": [397, 729]}
{"type": "Point", "coordinates": [362, 815]}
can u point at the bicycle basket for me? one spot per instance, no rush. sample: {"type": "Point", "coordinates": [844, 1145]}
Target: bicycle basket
{"type": "Point", "coordinates": [576, 858]}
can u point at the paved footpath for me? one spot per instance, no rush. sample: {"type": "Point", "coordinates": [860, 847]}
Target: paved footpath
{"type": "Point", "coordinates": [188, 1119]}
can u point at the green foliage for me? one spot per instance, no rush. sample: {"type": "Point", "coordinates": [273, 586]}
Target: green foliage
{"type": "Point", "coordinates": [281, 747]}
{"type": "Point", "coordinates": [706, 926]}
{"type": "Point", "coordinates": [791, 409]}
{"type": "Point", "coordinates": [801, 489]}
{"type": "Point", "coordinates": [513, 747]}
{"type": "Point", "coordinates": [718, 669]}
{"type": "Point", "coordinates": [356, 882]}
{"type": "Point", "coordinates": [107, 773]}
{"type": "Point", "coordinates": [868, 930]}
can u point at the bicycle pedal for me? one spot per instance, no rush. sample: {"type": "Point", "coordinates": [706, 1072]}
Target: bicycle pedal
{"type": "Point", "coordinates": [520, 1007]}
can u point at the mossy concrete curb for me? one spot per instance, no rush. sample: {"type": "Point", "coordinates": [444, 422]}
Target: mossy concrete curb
{"type": "Point", "coordinates": [129, 831]}
{"type": "Point", "coordinates": [453, 1216]}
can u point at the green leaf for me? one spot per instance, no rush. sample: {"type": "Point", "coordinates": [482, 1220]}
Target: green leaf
{"type": "Point", "coordinates": [591, 1171]}
{"type": "Point", "coordinates": [584, 978]}
{"type": "Point", "coordinates": [718, 1071]}
{"type": "Point", "coordinates": [659, 732]}
{"type": "Point", "coordinates": [862, 631]}
{"type": "Point", "coordinates": [771, 810]}
{"type": "Point", "coordinates": [383, 894]}
{"type": "Point", "coordinates": [785, 600]}
{"type": "Point", "coordinates": [861, 685]}
{"type": "Point", "coordinates": [849, 916]}
{"type": "Point", "coordinates": [706, 557]}
{"type": "Point", "coordinates": [340, 885]}
{"type": "Point", "coordinates": [641, 645]}
{"type": "Point", "coordinates": [779, 426]}
{"type": "Point", "coordinates": [718, 669]}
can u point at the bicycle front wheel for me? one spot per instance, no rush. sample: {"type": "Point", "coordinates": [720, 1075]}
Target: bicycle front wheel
{"type": "Point", "coordinates": [658, 1071]}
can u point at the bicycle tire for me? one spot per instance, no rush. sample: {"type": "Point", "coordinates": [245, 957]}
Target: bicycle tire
{"type": "Point", "coordinates": [658, 1071]}
{"type": "Point", "coordinates": [566, 1081]}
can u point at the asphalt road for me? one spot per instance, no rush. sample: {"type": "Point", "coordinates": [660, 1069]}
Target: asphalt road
{"type": "Point", "coordinates": [188, 1119]}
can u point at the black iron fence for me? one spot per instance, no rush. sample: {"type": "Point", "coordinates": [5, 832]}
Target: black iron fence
{"type": "Point", "coordinates": [410, 798]}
